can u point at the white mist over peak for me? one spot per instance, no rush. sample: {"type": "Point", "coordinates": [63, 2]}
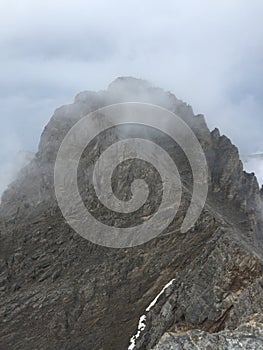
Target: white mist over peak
{"type": "Point", "coordinates": [12, 166]}
{"type": "Point", "coordinates": [254, 163]}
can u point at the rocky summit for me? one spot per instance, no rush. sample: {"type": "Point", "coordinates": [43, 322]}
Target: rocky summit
{"type": "Point", "coordinates": [202, 289]}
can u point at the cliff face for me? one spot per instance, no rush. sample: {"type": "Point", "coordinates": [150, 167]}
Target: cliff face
{"type": "Point", "coordinates": [59, 291]}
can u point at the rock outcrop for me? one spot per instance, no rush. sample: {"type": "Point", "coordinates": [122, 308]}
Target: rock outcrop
{"type": "Point", "coordinates": [247, 336]}
{"type": "Point", "coordinates": [60, 291]}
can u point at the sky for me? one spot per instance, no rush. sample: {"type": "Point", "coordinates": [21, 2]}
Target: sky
{"type": "Point", "coordinates": [207, 53]}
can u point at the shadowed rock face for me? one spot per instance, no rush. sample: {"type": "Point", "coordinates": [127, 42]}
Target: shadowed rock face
{"type": "Point", "coordinates": [59, 291]}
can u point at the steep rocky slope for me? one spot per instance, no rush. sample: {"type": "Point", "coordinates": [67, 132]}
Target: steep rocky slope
{"type": "Point", "coordinates": [60, 291]}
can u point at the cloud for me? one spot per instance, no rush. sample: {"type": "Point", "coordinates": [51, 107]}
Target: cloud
{"type": "Point", "coordinates": [255, 164]}
{"type": "Point", "coordinates": [208, 53]}
{"type": "Point", "coordinates": [10, 144]}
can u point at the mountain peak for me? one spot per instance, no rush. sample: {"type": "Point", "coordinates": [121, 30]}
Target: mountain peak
{"type": "Point", "coordinates": [54, 284]}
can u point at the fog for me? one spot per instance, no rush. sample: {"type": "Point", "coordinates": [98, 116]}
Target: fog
{"type": "Point", "coordinates": [254, 163]}
{"type": "Point", "coordinates": [208, 53]}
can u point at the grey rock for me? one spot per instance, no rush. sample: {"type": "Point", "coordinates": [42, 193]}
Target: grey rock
{"type": "Point", "coordinates": [248, 336]}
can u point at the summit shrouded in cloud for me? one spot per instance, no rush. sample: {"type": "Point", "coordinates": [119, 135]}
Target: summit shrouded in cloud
{"type": "Point", "coordinates": [59, 279]}
{"type": "Point", "coordinates": [210, 54]}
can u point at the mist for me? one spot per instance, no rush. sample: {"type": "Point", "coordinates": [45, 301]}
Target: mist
{"type": "Point", "coordinates": [254, 163]}
{"type": "Point", "coordinates": [208, 54]}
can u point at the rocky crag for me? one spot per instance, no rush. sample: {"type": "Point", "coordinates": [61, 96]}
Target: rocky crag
{"type": "Point", "coordinates": [60, 291]}
{"type": "Point", "coordinates": [247, 336]}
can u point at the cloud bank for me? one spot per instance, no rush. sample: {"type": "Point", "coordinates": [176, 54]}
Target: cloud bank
{"type": "Point", "coordinates": [208, 53]}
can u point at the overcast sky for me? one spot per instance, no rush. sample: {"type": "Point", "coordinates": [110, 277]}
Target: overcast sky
{"type": "Point", "coordinates": [209, 53]}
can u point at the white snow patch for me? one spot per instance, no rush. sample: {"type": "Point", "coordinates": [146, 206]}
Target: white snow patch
{"type": "Point", "coordinates": [142, 321]}
{"type": "Point", "coordinates": [141, 327]}
{"type": "Point", "coordinates": [158, 296]}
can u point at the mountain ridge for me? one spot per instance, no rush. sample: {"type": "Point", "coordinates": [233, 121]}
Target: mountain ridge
{"type": "Point", "coordinates": [54, 284]}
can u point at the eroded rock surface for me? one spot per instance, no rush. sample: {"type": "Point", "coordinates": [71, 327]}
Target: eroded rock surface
{"type": "Point", "coordinates": [247, 336]}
